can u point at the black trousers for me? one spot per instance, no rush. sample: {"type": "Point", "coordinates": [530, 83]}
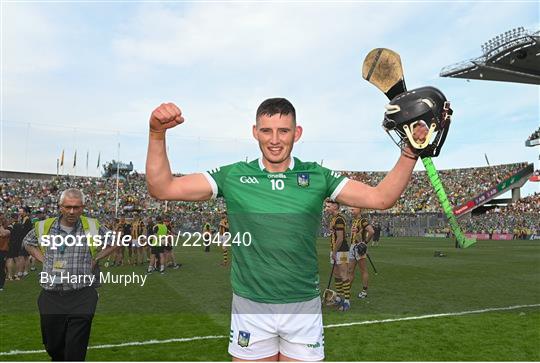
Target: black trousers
{"type": "Point", "coordinates": [66, 320]}
{"type": "Point", "coordinates": [3, 256]}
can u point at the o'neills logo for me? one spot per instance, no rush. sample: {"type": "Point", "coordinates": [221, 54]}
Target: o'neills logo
{"type": "Point", "coordinates": [277, 176]}
{"type": "Point", "coordinates": [248, 180]}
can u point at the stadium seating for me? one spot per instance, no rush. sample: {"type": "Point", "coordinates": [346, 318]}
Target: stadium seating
{"type": "Point", "coordinates": [533, 139]}
{"type": "Point", "coordinates": [460, 184]}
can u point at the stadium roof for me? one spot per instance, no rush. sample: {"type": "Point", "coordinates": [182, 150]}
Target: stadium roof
{"type": "Point", "coordinates": [513, 56]}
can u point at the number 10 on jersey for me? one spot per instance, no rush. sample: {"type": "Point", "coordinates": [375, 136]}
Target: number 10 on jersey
{"type": "Point", "coordinates": [277, 184]}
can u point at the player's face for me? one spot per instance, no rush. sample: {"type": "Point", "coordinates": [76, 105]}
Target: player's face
{"type": "Point", "coordinates": [331, 208]}
{"type": "Point", "coordinates": [276, 136]}
{"type": "Point", "coordinates": [355, 211]}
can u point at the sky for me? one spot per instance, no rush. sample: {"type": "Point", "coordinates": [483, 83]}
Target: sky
{"type": "Point", "coordinates": [85, 76]}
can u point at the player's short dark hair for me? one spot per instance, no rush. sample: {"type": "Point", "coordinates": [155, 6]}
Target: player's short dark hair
{"type": "Point", "coordinates": [273, 106]}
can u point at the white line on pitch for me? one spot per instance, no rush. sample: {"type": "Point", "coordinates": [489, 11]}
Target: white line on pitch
{"type": "Point", "coordinates": [180, 340]}
{"type": "Point", "coordinates": [126, 344]}
{"type": "Point", "coordinates": [514, 307]}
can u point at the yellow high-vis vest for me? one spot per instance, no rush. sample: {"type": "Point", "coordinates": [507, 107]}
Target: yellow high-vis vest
{"type": "Point", "coordinates": [162, 229]}
{"type": "Point", "coordinates": [90, 227]}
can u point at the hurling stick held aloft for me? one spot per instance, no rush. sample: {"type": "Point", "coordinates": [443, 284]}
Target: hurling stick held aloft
{"type": "Point", "coordinates": [382, 68]}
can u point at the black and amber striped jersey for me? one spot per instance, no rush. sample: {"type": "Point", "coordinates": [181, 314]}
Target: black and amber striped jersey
{"type": "Point", "coordinates": [137, 229]}
{"type": "Point", "coordinates": [338, 224]}
{"type": "Point", "coordinates": [358, 230]}
{"type": "Point", "coordinates": [223, 226]}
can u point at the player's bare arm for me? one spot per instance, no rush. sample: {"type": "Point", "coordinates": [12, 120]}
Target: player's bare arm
{"type": "Point", "coordinates": [35, 252]}
{"type": "Point", "coordinates": [386, 194]}
{"type": "Point", "coordinates": [369, 233]}
{"type": "Point", "coordinates": [159, 179]}
{"type": "Point", "coordinates": [4, 232]}
{"type": "Point", "coordinates": [340, 236]}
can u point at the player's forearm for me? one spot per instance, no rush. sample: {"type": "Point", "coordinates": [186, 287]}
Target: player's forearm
{"type": "Point", "coordinates": [34, 252]}
{"type": "Point", "coordinates": [369, 236]}
{"type": "Point", "coordinates": [337, 245]}
{"type": "Point", "coordinates": [158, 170]}
{"type": "Point", "coordinates": [395, 182]}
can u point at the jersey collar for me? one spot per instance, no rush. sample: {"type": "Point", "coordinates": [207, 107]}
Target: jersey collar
{"type": "Point", "coordinates": [291, 165]}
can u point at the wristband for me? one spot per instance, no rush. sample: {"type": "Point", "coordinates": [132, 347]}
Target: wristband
{"type": "Point", "coordinates": [409, 156]}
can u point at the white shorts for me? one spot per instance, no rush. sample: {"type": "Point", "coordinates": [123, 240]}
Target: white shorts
{"type": "Point", "coordinates": [136, 244]}
{"type": "Point", "coordinates": [341, 258]}
{"type": "Point", "coordinates": [294, 330]}
{"type": "Point", "coordinates": [222, 240]}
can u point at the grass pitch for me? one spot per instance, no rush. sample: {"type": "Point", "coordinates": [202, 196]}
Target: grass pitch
{"type": "Point", "coordinates": [194, 301]}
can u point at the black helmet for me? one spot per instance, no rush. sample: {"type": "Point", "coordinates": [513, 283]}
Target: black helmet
{"type": "Point", "coordinates": [427, 104]}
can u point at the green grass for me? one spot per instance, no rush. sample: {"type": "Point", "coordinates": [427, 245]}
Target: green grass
{"type": "Point", "coordinates": [195, 301]}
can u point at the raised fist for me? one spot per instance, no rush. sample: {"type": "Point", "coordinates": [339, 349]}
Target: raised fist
{"type": "Point", "coordinates": [166, 116]}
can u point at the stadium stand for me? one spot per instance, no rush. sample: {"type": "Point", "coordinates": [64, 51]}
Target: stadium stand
{"type": "Point", "coordinates": [512, 181]}
{"type": "Point", "coordinates": [509, 57]}
{"type": "Point", "coordinates": [416, 213]}
{"type": "Point", "coordinates": [520, 219]}
{"type": "Point", "coordinates": [535, 177]}
{"type": "Point", "coordinates": [461, 185]}
{"type": "Point", "coordinates": [533, 139]}
{"type": "Point", "coordinates": [40, 195]}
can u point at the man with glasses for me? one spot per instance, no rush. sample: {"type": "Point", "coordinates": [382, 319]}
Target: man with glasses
{"type": "Point", "coordinates": [67, 246]}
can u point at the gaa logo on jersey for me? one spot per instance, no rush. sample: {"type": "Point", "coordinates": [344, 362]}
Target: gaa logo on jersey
{"type": "Point", "coordinates": [248, 180]}
{"type": "Point", "coordinates": [243, 338]}
{"type": "Point", "coordinates": [303, 179]}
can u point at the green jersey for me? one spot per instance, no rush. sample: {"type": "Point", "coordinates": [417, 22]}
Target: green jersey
{"type": "Point", "coordinates": [281, 213]}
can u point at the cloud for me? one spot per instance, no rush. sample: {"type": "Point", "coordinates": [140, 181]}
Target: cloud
{"type": "Point", "coordinates": [103, 73]}
{"type": "Point", "coordinates": [245, 35]}
{"type": "Point", "coordinates": [30, 41]}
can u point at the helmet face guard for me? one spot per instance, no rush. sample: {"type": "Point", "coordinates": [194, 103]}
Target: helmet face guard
{"type": "Point", "coordinates": [422, 105]}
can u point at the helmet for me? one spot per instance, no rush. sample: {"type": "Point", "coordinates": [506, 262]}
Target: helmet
{"type": "Point", "coordinates": [424, 104]}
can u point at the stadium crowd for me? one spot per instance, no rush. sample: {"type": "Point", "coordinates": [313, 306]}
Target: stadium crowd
{"type": "Point", "coordinates": [460, 184]}
{"type": "Point", "coordinates": [24, 201]}
{"type": "Point", "coordinates": [521, 218]}
{"type": "Point", "coordinates": [41, 195]}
